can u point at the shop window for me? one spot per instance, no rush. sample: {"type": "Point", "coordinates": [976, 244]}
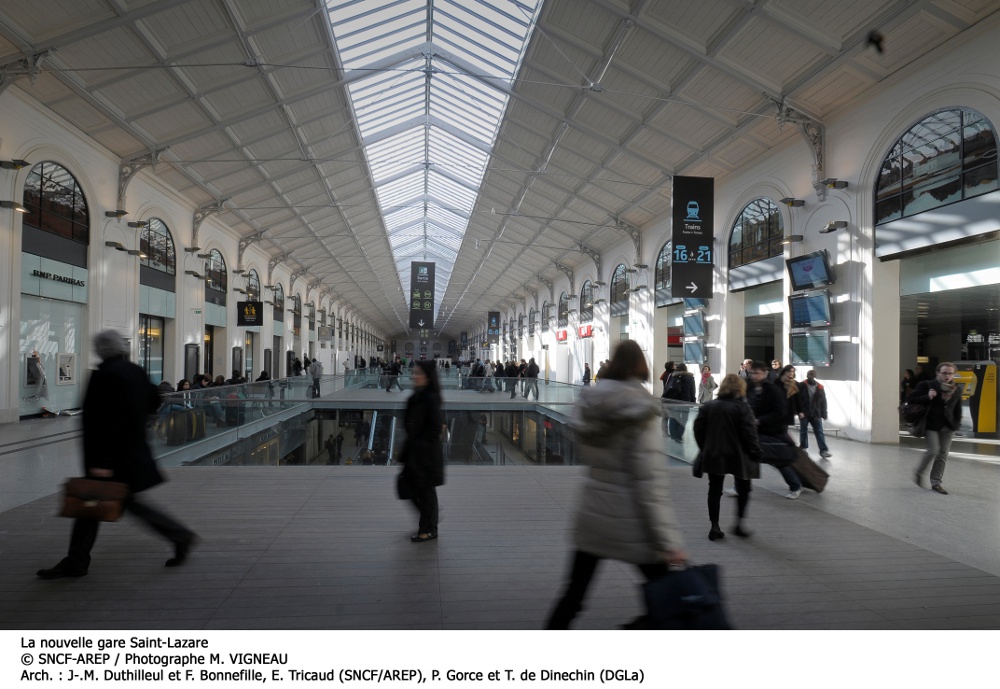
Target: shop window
{"type": "Point", "coordinates": [151, 346]}
{"type": "Point", "coordinates": [946, 157]}
{"type": "Point", "coordinates": [562, 317]}
{"type": "Point", "coordinates": [756, 234]}
{"type": "Point", "coordinates": [215, 271]}
{"type": "Point", "coordinates": [253, 285]}
{"type": "Point", "coordinates": [619, 291]}
{"type": "Point", "coordinates": [56, 203]}
{"type": "Point", "coordinates": [158, 246]}
{"type": "Point", "coordinates": [662, 275]}
{"type": "Point", "coordinates": [587, 302]}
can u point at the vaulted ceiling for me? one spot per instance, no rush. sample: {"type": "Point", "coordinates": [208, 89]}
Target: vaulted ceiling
{"type": "Point", "coordinates": [346, 139]}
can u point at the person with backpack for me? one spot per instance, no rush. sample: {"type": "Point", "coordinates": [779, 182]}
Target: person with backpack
{"type": "Point", "coordinates": [531, 374]}
{"type": "Point", "coordinates": [680, 387]}
{"type": "Point", "coordinates": [942, 399]}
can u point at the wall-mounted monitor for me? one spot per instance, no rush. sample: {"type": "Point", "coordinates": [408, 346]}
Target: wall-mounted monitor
{"type": "Point", "coordinates": [695, 304]}
{"type": "Point", "coordinates": [810, 348]}
{"type": "Point", "coordinates": [810, 309]}
{"type": "Point", "coordinates": [694, 324]}
{"type": "Point", "coordinates": [694, 352]}
{"type": "Point", "coordinates": [810, 271]}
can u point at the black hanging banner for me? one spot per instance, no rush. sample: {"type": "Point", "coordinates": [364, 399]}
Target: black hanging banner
{"type": "Point", "coordinates": [465, 339]}
{"type": "Point", "coordinates": [693, 237]}
{"type": "Point", "coordinates": [421, 295]}
{"type": "Point", "coordinates": [493, 327]}
{"type": "Point", "coordinates": [249, 313]}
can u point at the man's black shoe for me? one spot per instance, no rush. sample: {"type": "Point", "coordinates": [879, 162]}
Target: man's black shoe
{"type": "Point", "coordinates": [60, 571]}
{"type": "Point", "coordinates": [181, 550]}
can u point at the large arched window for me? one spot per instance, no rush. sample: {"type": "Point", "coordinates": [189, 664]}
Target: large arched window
{"type": "Point", "coordinates": [157, 246]}
{"type": "Point", "coordinates": [279, 297]}
{"type": "Point", "coordinates": [532, 318]}
{"type": "Point", "coordinates": [55, 202]}
{"type": "Point", "coordinates": [215, 271]}
{"type": "Point", "coordinates": [946, 157]}
{"type": "Point", "coordinates": [662, 275]}
{"type": "Point", "coordinates": [520, 325]}
{"type": "Point", "coordinates": [546, 314]}
{"type": "Point", "coordinates": [756, 234]}
{"type": "Point", "coordinates": [253, 285]}
{"type": "Point", "coordinates": [562, 317]}
{"type": "Point", "coordinates": [512, 331]}
{"type": "Point", "coordinates": [587, 302]}
{"type": "Point", "coordinates": [619, 291]}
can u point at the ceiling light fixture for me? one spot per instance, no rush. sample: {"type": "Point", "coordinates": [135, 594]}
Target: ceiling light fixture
{"type": "Point", "coordinates": [117, 214]}
{"type": "Point", "coordinates": [137, 252]}
{"type": "Point", "coordinates": [833, 226]}
{"type": "Point", "coordinates": [792, 203]}
{"type": "Point", "coordinates": [834, 183]}
{"type": "Point", "coordinates": [138, 223]}
{"type": "Point", "coordinates": [204, 255]}
{"type": "Point", "coordinates": [791, 239]}
{"type": "Point", "coordinates": [192, 249]}
{"type": "Point", "coordinates": [116, 245]}
{"type": "Point", "coordinates": [15, 164]}
{"type": "Point", "coordinates": [641, 266]}
{"type": "Point", "coordinates": [195, 273]}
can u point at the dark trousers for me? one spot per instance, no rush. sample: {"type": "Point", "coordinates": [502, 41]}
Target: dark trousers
{"type": "Point", "coordinates": [583, 568]}
{"type": "Point", "coordinates": [393, 380]}
{"type": "Point", "coordinates": [315, 388]}
{"type": "Point", "coordinates": [426, 501]}
{"type": "Point", "coordinates": [84, 535]}
{"type": "Point", "coordinates": [715, 496]}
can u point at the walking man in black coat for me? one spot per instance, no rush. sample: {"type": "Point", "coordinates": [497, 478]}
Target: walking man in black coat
{"type": "Point", "coordinates": [118, 400]}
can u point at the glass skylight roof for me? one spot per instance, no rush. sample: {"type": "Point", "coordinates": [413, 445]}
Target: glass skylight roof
{"type": "Point", "coordinates": [422, 76]}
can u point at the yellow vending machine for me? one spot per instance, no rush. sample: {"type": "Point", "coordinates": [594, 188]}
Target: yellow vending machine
{"type": "Point", "coordinates": [979, 397]}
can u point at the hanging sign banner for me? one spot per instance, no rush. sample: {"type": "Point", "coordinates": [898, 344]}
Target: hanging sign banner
{"type": "Point", "coordinates": [693, 237]}
{"type": "Point", "coordinates": [421, 295]}
{"type": "Point", "coordinates": [249, 313]}
{"type": "Point", "coordinates": [493, 327]}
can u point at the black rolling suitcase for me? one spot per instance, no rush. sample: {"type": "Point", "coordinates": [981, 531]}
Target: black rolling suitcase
{"type": "Point", "coordinates": [196, 424]}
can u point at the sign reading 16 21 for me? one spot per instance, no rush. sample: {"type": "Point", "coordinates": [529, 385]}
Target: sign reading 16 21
{"type": "Point", "coordinates": [693, 237]}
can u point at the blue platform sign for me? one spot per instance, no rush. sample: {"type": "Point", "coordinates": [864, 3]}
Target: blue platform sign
{"type": "Point", "coordinates": [693, 237]}
{"type": "Point", "coordinates": [492, 328]}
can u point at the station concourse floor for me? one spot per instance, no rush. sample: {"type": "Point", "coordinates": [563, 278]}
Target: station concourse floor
{"type": "Point", "coordinates": [327, 547]}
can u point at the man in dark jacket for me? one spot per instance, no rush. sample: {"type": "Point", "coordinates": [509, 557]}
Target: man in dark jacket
{"type": "Point", "coordinates": [531, 376]}
{"type": "Point", "coordinates": [119, 398]}
{"type": "Point", "coordinates": [812, 412]}
{"type": "Point", "coordinates": [943, 399]}
{"type": "Point", "coordinates": [395, 370]}
{"type": "Point", "coordinates": [770, 408]}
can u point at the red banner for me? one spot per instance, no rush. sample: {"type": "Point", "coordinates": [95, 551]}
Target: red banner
{"type": "Point", "coordinates": [561, 335]}
{"type": "Point", "coordinates": [586, 331]}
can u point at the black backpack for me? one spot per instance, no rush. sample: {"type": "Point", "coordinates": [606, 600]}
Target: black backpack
{"type": "Point", "coordinates": [674, 389]}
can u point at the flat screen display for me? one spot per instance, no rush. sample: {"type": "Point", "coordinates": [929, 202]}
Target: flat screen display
{"type": "Point", "coordinates": [810, 309]}
{"type": "Point", "coordinates": [810, 348]}
{"type": "Point", "coordinates": [694, 324]}
{"type": "Point", "coordinates": [810, 271]}
{"type": "Point", "coordinates": [694, 352]}
{"type": "Point", "coordinates": [695, 304]}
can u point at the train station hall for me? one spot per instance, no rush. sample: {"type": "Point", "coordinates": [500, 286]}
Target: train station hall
{"type": "Point", "coordinates": [299, 218]}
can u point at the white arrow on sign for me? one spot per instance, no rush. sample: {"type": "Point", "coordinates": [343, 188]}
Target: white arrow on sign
{"type": "Point", "coordinates": [693, 287]}
{"type": "Point", "coordinates": [421, 322]}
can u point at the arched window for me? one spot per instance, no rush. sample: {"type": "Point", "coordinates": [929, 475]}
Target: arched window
{"type": "Point", "coordinates": [520, 325]}
{"type": "Point", "coordinates": [532, 318]}
{"type": "Point", "coordinates": [662, 276]}
{"type": "Point", "coordinates": [546, 314]}
{"type": "Point", "coordinates": [619, 291]}
{"type": "Point", "coordinates": [55, 202]}
{"type": "Point", "coordinates": [279, 297]}
{"type": "Point", "coordinates": [562, 318]}
{"type": "Point", "coordinates": [587, 302]}
{"type": "Point", "coordinates": [215, 271]}
{"type": "Point", "coordinates": [158, 246]}
{"type": "Point", "coordinates": [946, 157]}
{"type": "Point", "coordinates": [756, 234]}
{"type": "Point", "coordinates": [253, 285]}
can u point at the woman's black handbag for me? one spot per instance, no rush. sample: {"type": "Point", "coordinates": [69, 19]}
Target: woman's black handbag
{"type": "Point", "coordinates": [403, 488]}
{"type": "Point", "coordinates": [686, 599]}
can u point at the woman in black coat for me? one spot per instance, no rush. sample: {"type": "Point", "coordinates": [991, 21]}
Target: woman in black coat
{"type": "Point", "coordinates": [727, 437]}
{"type": "Point", "coordinates": [422, 456]}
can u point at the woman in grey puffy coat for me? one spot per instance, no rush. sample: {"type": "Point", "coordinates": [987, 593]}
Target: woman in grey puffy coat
{"type": "Point", "coordinates": [624, 511]}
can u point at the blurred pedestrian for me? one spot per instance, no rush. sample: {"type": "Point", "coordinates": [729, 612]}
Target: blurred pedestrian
{"type": "Point", "coordinates": [625, 511]}
{"type": "Point", "coordinates": [118, 400]}
{"type": "Point", "coordinates": [422, 456]}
